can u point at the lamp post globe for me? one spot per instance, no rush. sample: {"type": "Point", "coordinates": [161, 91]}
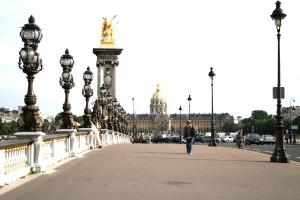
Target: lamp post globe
{"type": "Point", "coordinates": [212, 142]}
{"type": "Point", "coordinates": [279, 155]}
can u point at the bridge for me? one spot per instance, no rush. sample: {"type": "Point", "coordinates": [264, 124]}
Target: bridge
{"type": "Point", "coordinates": [158, 171]}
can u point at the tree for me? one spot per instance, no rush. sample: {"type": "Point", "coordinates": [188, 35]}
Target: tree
{"type": "Point", "coordinates": [260, 115]}
{"type": "Point", "coordinates": [8, 128]}
{"type": "Point", "coordinates": [259, 122]}
{"type": "Point", "coordinates": [296, 121]}
{"type": "Point", "coordinates": [230, 127]}
{"type": "Point", "coordinates": [46, 126]}
{"type": "Point", "coordinates": [4, 128]}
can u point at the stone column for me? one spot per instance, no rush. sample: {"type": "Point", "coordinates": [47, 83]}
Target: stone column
{"type": "Point", "coordinates": [107, 61]}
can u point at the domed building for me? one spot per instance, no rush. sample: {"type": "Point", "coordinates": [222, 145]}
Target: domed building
{"type": "Point", "coordinates": [159, 121]}
{"type": "Point", "coordinates": [158, 105]}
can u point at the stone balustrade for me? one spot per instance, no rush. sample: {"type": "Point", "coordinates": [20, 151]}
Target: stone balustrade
{"type": "Point", "coordinates": [35, 152]}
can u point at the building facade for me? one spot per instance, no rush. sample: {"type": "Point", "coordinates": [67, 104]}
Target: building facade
{"type": "Point", "coordinates": [159, 121]}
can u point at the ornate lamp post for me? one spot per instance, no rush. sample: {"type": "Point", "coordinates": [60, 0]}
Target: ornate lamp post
{"type": "Point", "coordinates": [133, 116]}
{"type": "Point", "coordinates": [30, 119]}
{"type": "Point", "coordinates": [103, 102]}
{"type": "Point", "coordinates": [279, 150]}
{"type": "Point", "coordinates": [109, 108]}
{"type": "Point", "coordinates": [180, 109]}
{"type": "Point", "coordinates": [123, 116]}
{"type": "Point", "coordinates": [119, 117]}
{"type": "Point", "coordinates": [212, 142]}
{"type": "Point", "coordinates": [126, 123]}
{"type": "Point", "coordinates": [67, 83]}
{"type": "Point", "coordinates": [115, 114]}
{"type": "Point", "coordinates": [96, 112]}
{"type": "Point", "coordinates": [189, 99]}
{"type": "Point", "coordinates": [291, 110]}
{"type": "Point", "coordinates": [87, 92]}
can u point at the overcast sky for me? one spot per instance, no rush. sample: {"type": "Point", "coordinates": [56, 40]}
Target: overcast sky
{"type": "Point", "coordinates": [173, 43]}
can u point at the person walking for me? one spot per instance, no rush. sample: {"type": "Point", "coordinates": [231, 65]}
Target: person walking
{"type": "Point", "coordinates": [188, 134]}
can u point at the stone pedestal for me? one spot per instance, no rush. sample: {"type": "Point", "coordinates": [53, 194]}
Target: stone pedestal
{"type": "Point", "coordinates": [37, 137]}
{"type": "Point", "coordinates": [71, 145]}
{"type": "Point", "coordinates": [90, 137]}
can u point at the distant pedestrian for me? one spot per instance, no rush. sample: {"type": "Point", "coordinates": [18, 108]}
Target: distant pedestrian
{"type": "Point", "coordinates": [188, 134]}
{"type": "Point", "coordinates": [97, 130]}
{"type": "Point", "coordinates": [239, 140]}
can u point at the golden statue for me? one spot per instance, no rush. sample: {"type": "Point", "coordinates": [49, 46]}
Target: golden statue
{"type": "Point", "coordinates": [108, 32]}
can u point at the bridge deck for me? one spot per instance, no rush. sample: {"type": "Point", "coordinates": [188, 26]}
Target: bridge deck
{"type": "Point", "coordinates": [161, 171]}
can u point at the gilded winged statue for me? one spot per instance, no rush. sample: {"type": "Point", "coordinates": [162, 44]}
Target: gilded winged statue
{"type": "Point", "coordinates": [107, 31]}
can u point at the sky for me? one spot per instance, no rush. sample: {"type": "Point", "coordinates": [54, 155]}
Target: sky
{"type": "Point", "coordinates": [173, 43]}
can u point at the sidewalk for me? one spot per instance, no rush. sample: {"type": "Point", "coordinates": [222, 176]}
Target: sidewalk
{"type": "Point", "coordinates": [159, 172]}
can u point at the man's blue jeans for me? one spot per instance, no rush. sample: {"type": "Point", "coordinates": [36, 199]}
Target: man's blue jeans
{"type": "Point", "coordinates": [189, 143]}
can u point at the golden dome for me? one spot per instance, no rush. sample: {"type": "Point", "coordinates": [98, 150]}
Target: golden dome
{"type": "Point", "coordinates": [157, 94]}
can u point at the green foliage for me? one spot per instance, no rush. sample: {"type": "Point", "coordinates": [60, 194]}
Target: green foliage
{"type": "Point", "coordinates": [296, 121]}
{"type": "Point", "coordinates": [259, 122]}
{"type": "Point", "coordinates": [260, 115]}
{"type": "Point", "coordinates": [8, 128]}
{"type": "Point", "coordinates": [230, 127]}
{"type": "Point", "coordinates": [46, 126]}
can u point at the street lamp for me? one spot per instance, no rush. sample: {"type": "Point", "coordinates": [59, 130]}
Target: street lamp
{"type": "Point", "coordinates": [67, 83]}
{"type": "Point", "coordinates": [109, 110]}
{"type": "Point", "coordinates": [115, 114]}
{"type": "Point", "coordinates": [96, 112]}
{"type": "Point", "coordinates": [180, 109]}
{"type": "Point", "coordinates": [212, 142]}
{"type": "Point", "coordinates": [189, 99]}
{"type": "Point", "coordinates": [103, 102]}
{"type": "Point", "coordinates": [279, 150]}
{"type": "Point", "coordinates": [31, 64]}
{"type": "Point", "coordinates": [133, 116]}
{"type": "Point", "coordinates": [87, 92]}
{"type": "Point", "coordinates": [291, 109]}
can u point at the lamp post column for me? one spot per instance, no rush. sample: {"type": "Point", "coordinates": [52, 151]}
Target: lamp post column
{"type": "Point", "coordinates": [189, 99]}
{"type": "Point", "coordinates": [67, 83]}
{"type": "Point", "coordinates": [30, 63]}
{"type": "Point", "coordinates": [103, 103]}
{"type": "Point", "coordinates": [133, 117]}
{"type": "Point", "coordinates": [279, 155]}
{"type": "Point", "coordinates": [180, 140]}
{"type": "Point", "coordinates": [212, 143]}
{"type": "Point", "coordinates": [87, 92]}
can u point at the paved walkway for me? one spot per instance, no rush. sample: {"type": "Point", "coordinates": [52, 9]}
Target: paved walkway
{"type": "Point", "coordinates": [159, 172]}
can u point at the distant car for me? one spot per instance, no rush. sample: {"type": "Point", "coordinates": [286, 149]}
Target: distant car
{"type": "Point", "coordinates": [267, 139]}
{"type": "Point", "coordinates": [228, 138]}
{"type": "Point", "coordinates": [159, 139]}
{"type": "Point", "coordinates": [252, 138]}
{"type": "Point", "coordinates": [198, 138]}
{"type": "Point", "coordinates": [205, 139]}
{"type": "Point", "coordinates": [218, 140]}
{"type": "Point", "coordinates": [176, 139]}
